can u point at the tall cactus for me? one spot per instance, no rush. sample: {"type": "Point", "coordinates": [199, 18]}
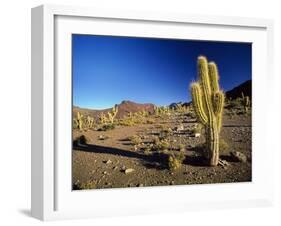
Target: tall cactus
{"type": "Point", "coordinates": [208, 102]}
{"type": "Point", "coordinates": [245, 102]}
{"type": "Point", "coordinates": [79, 119]}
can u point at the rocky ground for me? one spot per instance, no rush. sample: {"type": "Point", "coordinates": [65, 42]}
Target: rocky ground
{"type": "Point", "coordinates": [110, 160]}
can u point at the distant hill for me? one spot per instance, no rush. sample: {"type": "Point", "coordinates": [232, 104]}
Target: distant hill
{"type": "Point", "coordinates": [245, 87]}
{"type": "Point", "coordinates": [127, 106]}
{"type": "Point", "coordinates": [123, 109]}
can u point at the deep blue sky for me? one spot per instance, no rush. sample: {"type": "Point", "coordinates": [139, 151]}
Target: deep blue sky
{"type": "Point", "coordinates": [108, 70]}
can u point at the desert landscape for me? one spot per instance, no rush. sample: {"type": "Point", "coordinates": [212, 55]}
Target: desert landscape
{"type": "Point", "coordinates": [137, 145]}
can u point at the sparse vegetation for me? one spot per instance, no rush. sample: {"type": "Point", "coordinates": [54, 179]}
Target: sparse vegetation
{"type": "Point", "coordinates": [81, 140]}
{"type": "Point", "coordinates": [87, 185]}
{"type": "Point", "coordinates": [106, 127]}
{"type": "Point", "coordinates": [175, 160]}
{"type": "Point", "coordinates": [135, 139]}
{"type": "Point", "coordinates": [163, 145]}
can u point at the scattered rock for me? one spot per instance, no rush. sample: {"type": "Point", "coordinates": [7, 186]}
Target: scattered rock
{"type": "Point", "coordinates": [129, 170]}
{"type": "Point", "coordinates": [180, 128]}
{"type": "Point", "coordinates": [197, 134]}
{"type": "Point", "coordinates": [172, 182]}
{"type": "Point", "coordinates": [223, 163]}
{"type": "Point", "coordinates": [115, 168]}
{"type": "Point", "coordinates": [140, 185]}
{"type": "Point", "coordinates": [108, 161]}
{"type": "Point", "coordinates": [105, 173]}
{"type": "Point", "coordinates": [102, 137]}
{"type": "Point", "coordinates": [238, 156]}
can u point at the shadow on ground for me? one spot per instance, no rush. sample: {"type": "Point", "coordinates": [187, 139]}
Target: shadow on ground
{"type": "Point", "coordinates": [155, 160]}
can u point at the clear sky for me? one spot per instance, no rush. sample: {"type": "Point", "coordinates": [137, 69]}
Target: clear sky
{"type": "Point", "coordinates": [108, 69]}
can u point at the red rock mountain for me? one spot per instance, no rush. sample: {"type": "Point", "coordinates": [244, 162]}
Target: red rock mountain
{"type": "Point", "coordinates": [123, 109]}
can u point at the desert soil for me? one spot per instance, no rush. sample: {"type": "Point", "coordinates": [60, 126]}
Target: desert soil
{"type": "Point", "coordinates": [103, 162]}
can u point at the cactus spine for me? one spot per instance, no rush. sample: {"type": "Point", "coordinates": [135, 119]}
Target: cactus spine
{"type": "Point", "coordinates": [208, 102]}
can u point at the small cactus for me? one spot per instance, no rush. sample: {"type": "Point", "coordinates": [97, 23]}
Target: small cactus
{"type": "Point", "coordinates": [112, 114]}
{"type": "Point", "coordinates": [245, 102]}
{"type": "Point", "coordinates": [102, 118]}
{"type": "Point", "coordinates": [208, 103]}
{"type": "Point", "coordinates": [90, 122]}
{"type": "Point", "coordinates": [79, 121]}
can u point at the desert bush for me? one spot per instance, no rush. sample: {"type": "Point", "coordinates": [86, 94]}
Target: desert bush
{"type": "Point", "coordinates": [181, 147]}
{"type": "Point", "coordinates": [81, 140]}
{"type": "Point", "coordinates": [87, 185]}
{"type": "Point", "coordinates": [161, 145]}
{"type": "Point", "coordinates": [147, 150]}
{"type": "Point", "coordinates": [139, 117]}
{"type": "Point", "coordinates": [231, 113]}
{"type": "Point", "coordinates": [150, 121]}
{"type": "Point", "coordinates": [126, 121]}
{"type": "Point", "coordinates": [106, 127]}
{"type": "Point", "coordinates": [175, 160]}
{"type": "Point", "coordinates": [235, 103]}
{"type": "Point", "coordinates": [135, 139]}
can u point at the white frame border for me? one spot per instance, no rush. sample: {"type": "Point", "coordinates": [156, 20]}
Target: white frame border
{"type": "Point", "coordinates": [43, 88]}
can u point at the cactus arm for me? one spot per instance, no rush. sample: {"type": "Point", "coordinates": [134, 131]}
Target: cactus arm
{"type": "Point", "coordinates": [214, 77]}
{"type": "Point", "coordinates": [204, 76]}
{"type": "Point", "coordinates": [208, 102]}
{"type": "Point", "coordinates": [198, 104]}
{"type": "Point", "coordinates": [218, 101]}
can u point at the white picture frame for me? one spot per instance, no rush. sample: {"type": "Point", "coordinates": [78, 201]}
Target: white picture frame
{"type": "Point", "coordinates": [52, 197]}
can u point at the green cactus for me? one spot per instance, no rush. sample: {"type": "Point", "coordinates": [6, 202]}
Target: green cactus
{"type": "Point", "coordinates": [208, 102]}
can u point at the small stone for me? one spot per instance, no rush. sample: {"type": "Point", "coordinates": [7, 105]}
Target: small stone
{"type": "Point", "coordinates": [115, 168]}
{"type": "Point", "coordinates": [223, 163]}
{"type": "Point", "coordinates": [140, 185]}
{"type": "Point", "coordinates": [108, 162]}
{"type": "Point", "coordinates": [105, 173]}
{"type": "Point", "coordinates": [197, 135]}
{"type": "Point", "coordinates": [238, 156]}
{"type": "Point", "coordinates": [180, 128]}
{"type": "Point", "coordinates": [172, 182]}
{"type": "Point", "coordinates": [129, 170]}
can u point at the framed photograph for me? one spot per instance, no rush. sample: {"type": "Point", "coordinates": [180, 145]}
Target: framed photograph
{"type": "Point", "coordinates": [141, 112]}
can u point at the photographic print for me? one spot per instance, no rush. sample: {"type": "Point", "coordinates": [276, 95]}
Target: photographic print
{"type": "Point", "coordinates": [159, 112]}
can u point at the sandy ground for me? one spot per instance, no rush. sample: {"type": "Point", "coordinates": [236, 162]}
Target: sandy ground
{"type": "Point", "coordinates": [103, 162]}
